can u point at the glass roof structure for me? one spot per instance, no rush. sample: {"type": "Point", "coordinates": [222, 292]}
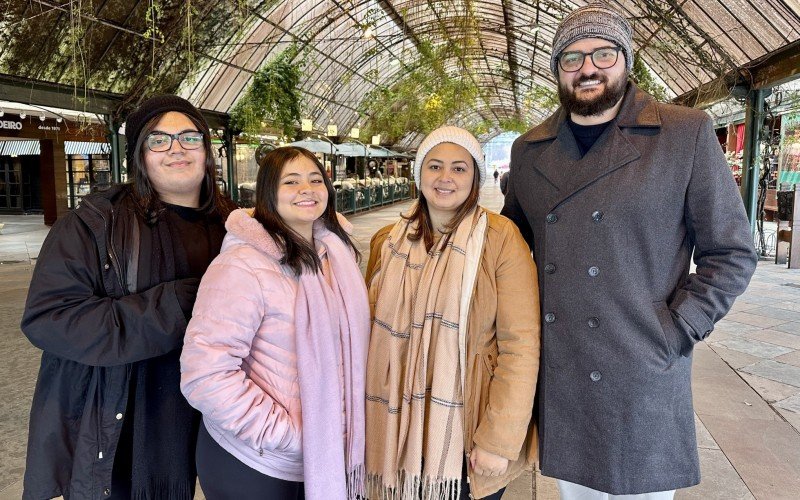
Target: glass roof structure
{"type": "Point", "coordinates": [209, 51]}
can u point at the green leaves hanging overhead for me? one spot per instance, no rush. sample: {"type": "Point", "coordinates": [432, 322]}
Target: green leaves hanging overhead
{"type": "Point", "coordinates": [273, 99]}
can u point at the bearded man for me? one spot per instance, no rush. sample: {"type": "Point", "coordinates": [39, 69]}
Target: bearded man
{"type": "Point", "coordinates": [614, 192]}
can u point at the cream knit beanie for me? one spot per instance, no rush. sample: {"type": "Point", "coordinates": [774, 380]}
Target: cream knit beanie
{"type": "Point", "coordinates": [453, 135]}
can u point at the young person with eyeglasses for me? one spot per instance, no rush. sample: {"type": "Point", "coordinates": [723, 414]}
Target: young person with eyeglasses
{"type": "Point", "coordinates": [109, 302]}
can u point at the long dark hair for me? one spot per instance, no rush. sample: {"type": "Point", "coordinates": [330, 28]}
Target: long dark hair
{"type": "Point", "coordinates": [422, 215]}
{"type": "Point", "coordinates": [212, 201]}
{"type": "Point", "coordinates": [298, 253]}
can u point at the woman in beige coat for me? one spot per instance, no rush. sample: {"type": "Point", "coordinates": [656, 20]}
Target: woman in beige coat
{"type": "Point", "coordinates": [454, 351]}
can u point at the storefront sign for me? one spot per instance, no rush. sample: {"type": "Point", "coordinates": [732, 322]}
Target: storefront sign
{"type": "Point", "coordinates": [9, 125]}
{"type": "Point", "coordinates": [54, 128]}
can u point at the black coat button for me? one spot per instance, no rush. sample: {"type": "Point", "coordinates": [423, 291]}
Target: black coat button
{"type": "Point", "coordinates": [549, 318]}
{"type": "Point", "coordinates": [551, 218]}
{"type": "Point", "coordinates": [597, 216]}
{"type": "Point", "coordinates": [595, 376]}
{"type": "Point", "coordinates": [594, 271]}
{"type": "Point", "coordinates": [550, 268]}
{"type": "Point", "coordinates": [594, 322]}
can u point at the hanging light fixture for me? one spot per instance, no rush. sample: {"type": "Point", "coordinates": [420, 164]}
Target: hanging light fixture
{"type": "Point", "coordinates": [22, 115]}
{"type": "Point", "coordinates": [41, 118]}
{"type": "Point", "coordinates": [59, 119]}
{"type": "Point", "coordinates": [2, 112]}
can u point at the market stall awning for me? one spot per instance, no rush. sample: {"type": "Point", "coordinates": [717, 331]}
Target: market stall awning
{"type": "Point", "coordinates": [316, 146]}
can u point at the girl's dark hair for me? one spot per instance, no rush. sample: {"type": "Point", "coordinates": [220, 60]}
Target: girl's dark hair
{"type": "Point", "coordinates": [148, 203]}
{"type": "Point", "coordinates": [298, 253]}
{"type": "Point", "coordinates": [422, 216]}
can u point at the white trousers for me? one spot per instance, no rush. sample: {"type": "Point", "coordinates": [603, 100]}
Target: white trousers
{"type": "Point", "coordinates": [572, 491]}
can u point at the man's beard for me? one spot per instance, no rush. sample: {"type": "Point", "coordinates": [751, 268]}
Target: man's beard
{"type": "Point", "coordinates": [610, 96]}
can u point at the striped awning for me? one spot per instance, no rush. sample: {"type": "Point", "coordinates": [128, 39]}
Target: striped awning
{"type": "Point", "coordinates": [22, 148]}
{"type": "Point", "coordinates": [86, 148]}
{"type": "Point", "coordinates": [19, 148]}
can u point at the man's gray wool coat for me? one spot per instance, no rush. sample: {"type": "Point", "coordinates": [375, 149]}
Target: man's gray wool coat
{"type": "Point", "coordinates": [612, 234]}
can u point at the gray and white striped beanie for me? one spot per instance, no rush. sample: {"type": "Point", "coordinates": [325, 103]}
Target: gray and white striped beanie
{"type": "Point", "coordinates": [594, 20]}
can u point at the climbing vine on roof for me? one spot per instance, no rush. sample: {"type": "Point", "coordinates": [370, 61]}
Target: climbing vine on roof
{"type": "Point", "coordinates": [435, 89]}
{"type": "Point", "coordinates": [136, 49]}
{"type": "Point", "coordinates": [425, 98]}
{"type": "Point", "coordinates": [645, 80]}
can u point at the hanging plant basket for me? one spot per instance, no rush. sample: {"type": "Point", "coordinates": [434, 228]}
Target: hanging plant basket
{"type": "Point", "coordinates": [273, 98]}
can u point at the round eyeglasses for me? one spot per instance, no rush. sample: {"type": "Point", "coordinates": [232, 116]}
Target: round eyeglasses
{"type": "Point", "coordinates": [602, 58]}
{"type": "Point", "coordinates": [158, 142]}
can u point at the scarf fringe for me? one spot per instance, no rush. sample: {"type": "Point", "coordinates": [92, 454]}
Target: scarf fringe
{"type": "Point", "coordinates": [412, 487]}
{"type": "Point", "coordinates": [356, 484]}
{"type": "Point", "coordinates": [165, 488]}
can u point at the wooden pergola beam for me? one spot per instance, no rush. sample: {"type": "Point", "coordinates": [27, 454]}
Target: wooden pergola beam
{"type": "Point", "coordinates": [773, 69]}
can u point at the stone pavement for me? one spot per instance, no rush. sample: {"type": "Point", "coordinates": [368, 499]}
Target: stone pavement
{"type": "Point", "coordinates": [21, 237]}
{"type": "Point", "coordinates": [746, 377]}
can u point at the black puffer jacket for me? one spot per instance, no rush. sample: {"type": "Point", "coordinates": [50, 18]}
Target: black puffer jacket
{"type": "Point", "coordinates": [84, 312]}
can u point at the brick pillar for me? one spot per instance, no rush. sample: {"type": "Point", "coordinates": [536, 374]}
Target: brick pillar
{"type": "Point", "coordinates": [53, 169]}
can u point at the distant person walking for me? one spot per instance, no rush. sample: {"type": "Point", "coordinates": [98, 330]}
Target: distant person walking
{"type": "Point", "coordinates": [614, 193]}
{"type": "Point", "coordinates": [496, 175]}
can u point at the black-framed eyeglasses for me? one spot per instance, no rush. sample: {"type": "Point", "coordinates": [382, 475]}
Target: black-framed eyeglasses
{"type": "Point", "coordinates": [602, 58]}
{"type": "Point", "coordinates": [158, 142]}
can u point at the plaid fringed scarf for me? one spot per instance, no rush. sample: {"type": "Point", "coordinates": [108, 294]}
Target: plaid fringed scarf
{"type": "Point", "coordinates": [414, 382]}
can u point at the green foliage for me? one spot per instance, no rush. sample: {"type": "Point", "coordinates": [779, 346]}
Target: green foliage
{"type": "Point", "coordinates": [424, 99]}
{"type": "Point", "coordinates": [273, 97]}
{"type": "Point", "coordinates": [514, 124]}
{"type": "Point", "coordinates": [541, 99]}
{"type": "Point", "coordinates": [162, 47]}
{"type": "Point", "coordinates": [642, 77]}
{"type": "Point", "coordinates": [481, 128]}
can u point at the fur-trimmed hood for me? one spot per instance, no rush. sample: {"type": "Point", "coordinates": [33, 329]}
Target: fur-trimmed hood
{"type": "Point", "coordinates": [242, 227]}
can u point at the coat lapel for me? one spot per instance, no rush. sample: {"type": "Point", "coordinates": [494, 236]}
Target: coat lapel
{"type": "Point", "coordinates": [611, 151]}
{"type": "Point", "coordinates": [558, 159]}
{"type": "Point", "coordinates": [560, 163]}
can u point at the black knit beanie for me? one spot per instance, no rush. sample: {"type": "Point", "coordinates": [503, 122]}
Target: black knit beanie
{"type": "Point", "coordinates": [139, 117]}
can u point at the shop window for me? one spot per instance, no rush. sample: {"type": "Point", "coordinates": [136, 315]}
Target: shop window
{"type": "Point", "coordinates": [246, 172]}
{"type": "Point", "coordinates": [86, 173]}
{"type": "Point", "coordinates": [10, 184]}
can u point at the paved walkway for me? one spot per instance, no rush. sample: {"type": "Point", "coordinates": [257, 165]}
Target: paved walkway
{"type": "Point", "coordinates": [21, 237]}
{"type": "Point", "coordinates": [746, 377]}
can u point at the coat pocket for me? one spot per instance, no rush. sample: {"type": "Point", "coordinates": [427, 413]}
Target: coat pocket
{"type": "Point", "coordinates": [670, 334]}
{"type": "Point", "coordinates": [488, 364]}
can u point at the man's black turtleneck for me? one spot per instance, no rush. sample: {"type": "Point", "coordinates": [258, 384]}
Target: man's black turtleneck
{"type": "Point", "coordinates": [586, 135]}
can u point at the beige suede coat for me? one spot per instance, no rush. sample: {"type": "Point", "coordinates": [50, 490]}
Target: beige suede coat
{"type": "Point", "coordinates": [502, 350]}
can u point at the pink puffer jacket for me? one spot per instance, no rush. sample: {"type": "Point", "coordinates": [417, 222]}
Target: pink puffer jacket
{"type": "Point", "coordinates": [239, 364]}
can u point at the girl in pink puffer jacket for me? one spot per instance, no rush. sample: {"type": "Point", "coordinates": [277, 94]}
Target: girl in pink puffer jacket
{"type": "Point", "coordinates": [274, 356]}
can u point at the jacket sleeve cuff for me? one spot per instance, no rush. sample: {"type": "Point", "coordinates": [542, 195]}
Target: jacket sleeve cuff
{"type": "Point", "coordinates": [491, 446]}
{"type": "Point", "coordinates": [700, 326]}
